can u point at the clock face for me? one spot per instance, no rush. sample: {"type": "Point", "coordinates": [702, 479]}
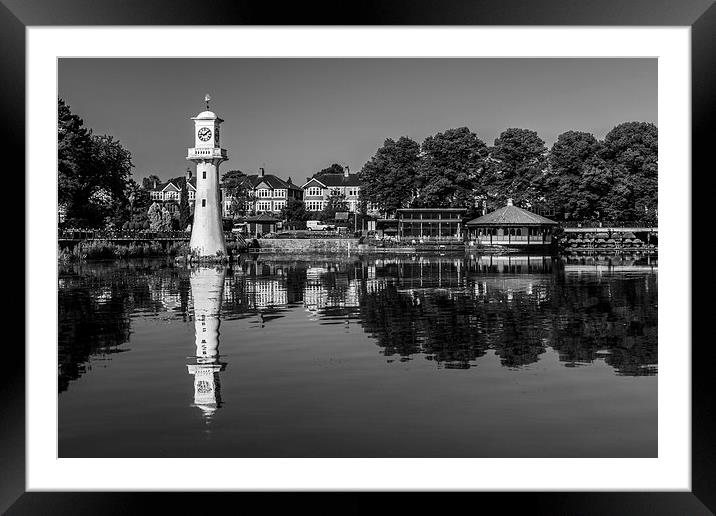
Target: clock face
{"type": "Point", "coordinates": [204, 134]}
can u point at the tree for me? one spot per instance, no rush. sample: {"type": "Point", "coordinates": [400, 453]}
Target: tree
{"type": "Point", "coordinates": [93, 173]}
{"type": "Point", "coordinates": [335, 168]}
{"type": "Point", "coordinates": [184, 209]}
{"type": "Point", "coordinates": [139, 202]}
{"type": "Point", "coordinates": [111, 173]}
{"type": "Point", "coordinates": [149, 182]}
{"type": "Point", "coordinates": [516, 168]}
{"type": "Point", "coordinates": [571, 156]}
{"type": "Point", "coordinates": [388, 179]}
{"type": "Point", "coordinates": [336, 202]}
{"type": "Point", "coordinates": [73, 155]}
{"type": "Point", "coordinates": [631, 152]}
{"type": "Point", "coordinates": [295, 210]}
{"type": "Point", "coordinates": [449, 174]}
{"type": "Point", "coordinates": [159, 218]}
{"type": "Point", "coordinates": [237, 186]}
{"type": "Point", "coordinates": [294, 213]}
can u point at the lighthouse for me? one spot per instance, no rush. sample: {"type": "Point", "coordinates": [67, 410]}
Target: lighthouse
{"type": "Point", "coordinates": [207, 290]}
{"type": "Point", "coordinates": [207, 233]}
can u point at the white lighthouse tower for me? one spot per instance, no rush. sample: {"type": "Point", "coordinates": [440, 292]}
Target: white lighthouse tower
{"type": "Point", "coordinates": [207, 290]}
{"type": "Point", "coordinates": [207, 233]}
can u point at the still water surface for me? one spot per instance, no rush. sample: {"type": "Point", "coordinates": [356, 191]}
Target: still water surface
{"type": "Point", "coordinates": [409, 356]}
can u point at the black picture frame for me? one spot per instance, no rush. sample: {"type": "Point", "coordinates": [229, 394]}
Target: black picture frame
{"type": "Point", "coordinates": [700, 15]}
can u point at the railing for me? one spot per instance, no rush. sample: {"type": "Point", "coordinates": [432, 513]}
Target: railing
{"type": "Point", "coordinates": [208, 152]}
{"type": "Point", "coordinates": [606, 224]}
{"type": "Point", "coordinates": [121, 234]}
{"type": "Point", "coordinates": [514, 239]}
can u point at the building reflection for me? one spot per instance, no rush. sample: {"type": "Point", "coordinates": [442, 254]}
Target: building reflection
{"type": "Point", "coordinates": [207, 291]}
{"type": "Point", "coordinates": [450, 309]}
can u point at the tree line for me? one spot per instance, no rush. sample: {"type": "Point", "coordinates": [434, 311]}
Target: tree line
{"type": "Point", "coordinates": [579, 178]}
{"type": "Point", "coordinates": [95, 187]}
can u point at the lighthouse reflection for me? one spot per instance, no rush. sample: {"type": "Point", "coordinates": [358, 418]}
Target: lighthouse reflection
{"type": "Point", "coordinates": [207, 289]}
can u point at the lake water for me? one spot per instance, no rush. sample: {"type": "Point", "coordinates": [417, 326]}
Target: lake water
{"type": "Point", "coordinates": [388, 356]}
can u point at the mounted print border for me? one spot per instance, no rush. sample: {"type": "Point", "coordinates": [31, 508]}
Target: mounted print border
{"type": "Point", "coordinates": [16, 15]}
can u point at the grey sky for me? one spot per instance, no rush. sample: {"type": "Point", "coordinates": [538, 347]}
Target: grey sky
{"type": "Point", "coordinates": [296, 116]}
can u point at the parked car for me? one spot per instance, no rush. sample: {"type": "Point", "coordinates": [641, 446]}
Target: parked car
{"type": "Point", "coordinates": [317, 225]}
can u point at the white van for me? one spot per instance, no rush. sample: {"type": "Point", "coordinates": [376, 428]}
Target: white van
{"type": "Point", "coordinates": [317, 225]}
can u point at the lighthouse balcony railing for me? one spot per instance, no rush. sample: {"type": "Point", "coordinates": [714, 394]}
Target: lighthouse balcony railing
{"type": "Point", "coordinates": [208, 153]}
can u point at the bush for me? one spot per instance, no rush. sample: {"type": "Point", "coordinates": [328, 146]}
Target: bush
{"type": "Point", "coordinates": [234, 247]}
{"type": "Point", "coordinates": [101, 250]}
{"type": "Point", "coordinates": [179, 249]}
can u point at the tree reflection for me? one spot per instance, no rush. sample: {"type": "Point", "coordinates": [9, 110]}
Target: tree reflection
{"type": "Point", "coordinates": [452, 310]}
{"type": "Point", "coordinates": [94, 306]}
{"type": "Point", "coordinates": [516, 306]}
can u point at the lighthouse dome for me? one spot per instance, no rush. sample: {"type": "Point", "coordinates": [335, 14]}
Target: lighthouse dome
{"type": "Point", "coordinates": [207, 115]}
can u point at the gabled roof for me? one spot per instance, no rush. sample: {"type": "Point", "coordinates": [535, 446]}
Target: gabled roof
{"type": "Point", "coordinates": [271, 180]}
{"type": "Point", "coordinates": [263, 217]}
{"type": "Point", "coordinates": [312, 180]}
{"type": "Point", "coordinates": [174, 183]}
{"type": "Point", "coordinates": [511, 214]}
{"type": "Point", "coordinates": [339, 179]}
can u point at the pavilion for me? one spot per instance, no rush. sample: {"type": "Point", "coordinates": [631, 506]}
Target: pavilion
{"type": "Point", "coordinates": [430, 223]}
{"type": "Point", "coordinates": [511, 226]}
{"type": "Point", "coordinates": [261, 224]}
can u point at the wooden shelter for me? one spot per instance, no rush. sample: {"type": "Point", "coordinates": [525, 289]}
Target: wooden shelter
{"type": "Point", "coordinates": [261, 224]}
{"type": "Point", "coordinates": [511, 226]}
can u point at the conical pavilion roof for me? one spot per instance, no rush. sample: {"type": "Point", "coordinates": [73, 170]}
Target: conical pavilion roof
{"type": "Point", "coordinates": [510, 215]}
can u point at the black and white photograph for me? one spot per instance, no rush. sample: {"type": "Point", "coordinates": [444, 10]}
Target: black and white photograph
{"type": "Point", "coordinates": [449, 249]}
{"type": "Point", "coordinates": [357, 257]}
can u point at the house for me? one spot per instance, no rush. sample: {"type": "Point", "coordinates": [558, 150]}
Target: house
{"type": "Point", "coordinates": [169, 192]}
{"type": "Point", "coordinates": [317, 190]}
{"type": "Point", "coordinates": [513, 226]}
{"type": "Point", "coordinates": [267, 194]}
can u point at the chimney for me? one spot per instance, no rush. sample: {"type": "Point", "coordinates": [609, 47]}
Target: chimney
{"type": "Point", "coordinates": [155, 184]}
{"type": "Point", "coordinates": [188, 173]}
{"type": "Point", "coordinates": [346, 171]}
{"type": "Point", "coordinates": [289, 180]}
{"type": "Point", "coordinates": [509, 201]}
{"type": "Point", "coordinates": [262, 171]}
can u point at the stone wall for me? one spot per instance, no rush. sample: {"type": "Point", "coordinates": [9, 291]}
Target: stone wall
{"type": "Point", "coordinates": [308, 245]}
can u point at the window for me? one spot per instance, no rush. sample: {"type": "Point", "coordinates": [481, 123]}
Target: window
{"type": "Point", "coordinates": [315, 191]}
{"type": "Point", "coordinates": [203, 203]}
{"type": "Point", "coordinates": [314, 205]}
{"type": "Point", "coordinates": [203, 174]}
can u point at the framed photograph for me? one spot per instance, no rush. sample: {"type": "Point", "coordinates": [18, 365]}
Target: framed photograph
{"type": "Point", "coordinates": [392, 249]}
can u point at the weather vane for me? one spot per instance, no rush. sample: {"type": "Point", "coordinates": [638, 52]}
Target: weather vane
{"type": "Point", "coordinates": [207, 98]}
